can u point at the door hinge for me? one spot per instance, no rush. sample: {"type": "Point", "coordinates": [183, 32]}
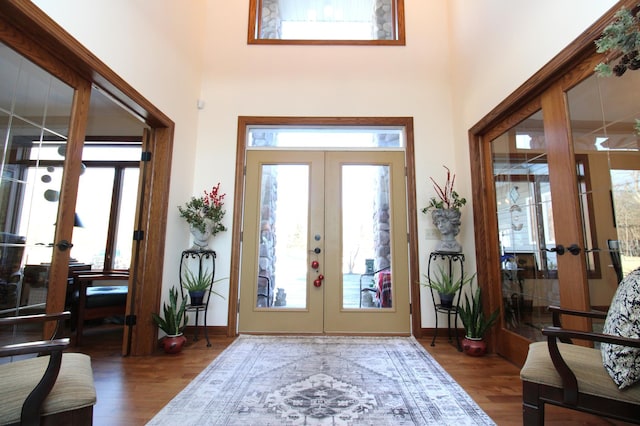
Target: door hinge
{"type": "Point", "coordinates": [130, 320]}
{"type": "Point", "coordinates": [410, 309]}
{"type": "Point", "coordinates": [138, 235]}
{"type": "Point", "coordinates": [146, 156]}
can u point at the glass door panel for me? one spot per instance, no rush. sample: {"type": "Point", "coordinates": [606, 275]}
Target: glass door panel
{"type": "Point", "coordinates": [603, 113]}
{"type": "Point", "coordinates": [366, 243]}
{"type": "Point", "coordinates": [528, 262]}
{"type": "Point", "coordinates": [284, 212]}
{"type": "Point", "coordinates": [35, 112]}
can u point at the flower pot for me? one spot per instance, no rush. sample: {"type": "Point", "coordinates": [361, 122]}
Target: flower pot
{"type": "Point", "coordinates": [448, 223]}
{"type": "Point", "coordinates": [446, 300]}
{"type": "Point", "coordinates": [173, 344]}
{"type": "Point", "coordinates": [474, 346]}
{"type": "Point", "coordinates": [196, 297]}
{"type": "Point", "coordinates": [200, 239]}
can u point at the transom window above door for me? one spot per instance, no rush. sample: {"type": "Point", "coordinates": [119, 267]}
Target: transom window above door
{"type": "Point", "coordinates": [326, 22]}
{"type": "Point", "coordinates": [333, 137]}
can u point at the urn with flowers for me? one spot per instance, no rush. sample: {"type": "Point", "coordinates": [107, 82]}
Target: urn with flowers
{"type": "Point", "coordinates": [204, 215]}
{"type": "Point", "coordinates": [446, 213]}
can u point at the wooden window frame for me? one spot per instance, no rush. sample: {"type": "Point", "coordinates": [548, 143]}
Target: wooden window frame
{"type": "Point", "coordinates": [254, 30]}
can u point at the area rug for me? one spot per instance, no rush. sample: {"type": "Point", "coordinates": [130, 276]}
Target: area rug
{"type": "Point", "coordinates": [266, 380]}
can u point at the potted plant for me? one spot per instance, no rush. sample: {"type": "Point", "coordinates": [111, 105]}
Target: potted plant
{"type": "Point", "coordinates": [446, 286]}
{"type": "Point", "coordinates": [445, 213]}
{"type": "Point", "coordinates": [476, 324]}
{"type": "Point", "coordinates": [620, 41]}
{"type": "Point", "coordinates": [197, 284]}
{"type": "Point", "coordinates": [204, 215]}
{"type": "Point", "coordinates": [173, 323]}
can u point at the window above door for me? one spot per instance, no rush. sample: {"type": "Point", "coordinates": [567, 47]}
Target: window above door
{"type": "Point", "coordinates": [350, 22]}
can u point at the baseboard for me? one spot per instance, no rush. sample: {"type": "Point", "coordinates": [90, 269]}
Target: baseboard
{"type": "Point", "coordinates": [212, 330]}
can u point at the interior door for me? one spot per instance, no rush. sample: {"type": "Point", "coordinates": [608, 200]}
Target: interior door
{"type": "Point", "coordinates": [324, 243]}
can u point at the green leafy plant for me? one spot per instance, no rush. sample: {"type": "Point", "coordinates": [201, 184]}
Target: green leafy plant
{"type": "Point", "coordinates": [471, 313]}
{"type": "Point", "coordinates": [446, 197]}
{"type": "Point", "coordinates": [199, 282]}
{"type": "Point", "coordinates": [620, 40]}
{"type": "Point", "coordinates": [196, 282]}
{"type": "Point", "coordinates": [444, 283]}
{"type": "Point", "coordinates": [175, 317]}
{"type": "Point", "coordinates": [206, 211]}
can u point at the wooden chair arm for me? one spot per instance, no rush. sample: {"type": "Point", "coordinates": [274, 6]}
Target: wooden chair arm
{"type": "Point", "coordinates": [29, 319]}
{"type": "Point", "coordinates": [569, 381]}
{"type": "Point", "coordinates": [557, 311]}
{"type": "Point", "coordinates": [30, 413]}
{"type": "Point", "coordinates": [560, 333]}
{"type": "Point", "coordinates": [42, 347]}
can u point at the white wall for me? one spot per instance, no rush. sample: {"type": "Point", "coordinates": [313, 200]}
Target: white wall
{"type": "Point", "coordinates": [495, 44]}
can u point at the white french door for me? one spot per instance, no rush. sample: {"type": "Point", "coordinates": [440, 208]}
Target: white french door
{"type": "Point", "coordinates": [325, 243]}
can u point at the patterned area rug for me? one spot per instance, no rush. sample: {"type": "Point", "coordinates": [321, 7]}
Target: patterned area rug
{"type": "Point", "coordinates": [266, 380]}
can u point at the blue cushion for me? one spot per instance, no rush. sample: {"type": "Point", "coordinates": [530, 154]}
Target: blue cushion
{"type": "Point", "coordinates": [106, 296]}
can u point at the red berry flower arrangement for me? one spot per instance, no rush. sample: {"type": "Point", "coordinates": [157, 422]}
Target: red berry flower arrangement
{"type": "Point", "coordinates": [205, 212]}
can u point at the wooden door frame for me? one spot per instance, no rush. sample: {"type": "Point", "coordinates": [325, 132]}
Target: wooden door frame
{"type": "Point", "coordinates": [29, 31]}
{"type": "Point", "coordinates": [236, 245]}
{"type": "Point", "coordinates": [578, 58]}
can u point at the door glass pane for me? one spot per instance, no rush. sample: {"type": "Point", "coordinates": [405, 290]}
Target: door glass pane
{"type": "Point", "coordinates": [34, 119]}
{"type": "Point", "coordinates": [284, 216]}
{"type": "Point", "coordinates": [126, 219]}
{"type": "Point", "coordinates": [325, 137]}
{"type": "Point", "coordinates": [525, 227]}
{"type": "Point", "coordinates": [366, 242]}
{"type": "Point", "coordinates": [603, 113]}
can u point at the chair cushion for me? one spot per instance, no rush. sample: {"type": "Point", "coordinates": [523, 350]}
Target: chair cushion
{"type": "Point", "coordinates": [73, 389]}
{"type": "Point", "coordinates": [586, 364]}
{"type": "Point", "coordinates": [623, 319]}
{"type": "Point", "coordinates": [113, 295]}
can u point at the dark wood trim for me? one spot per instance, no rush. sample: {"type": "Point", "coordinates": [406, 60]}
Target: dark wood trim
{"type": "Point", "coordinates": [57, 285]}
{"type": "Point", "coordinates": [412, 227]}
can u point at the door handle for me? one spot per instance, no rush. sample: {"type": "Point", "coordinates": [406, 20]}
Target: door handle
{"type": "Point", "coordinates": [557, 249]}
{"type": "Point", "coordinates": [574, 249]}
{"type": "Point", "coordinates": [64, 245]}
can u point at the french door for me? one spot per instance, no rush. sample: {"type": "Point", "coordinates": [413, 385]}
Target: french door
{"type": "Point", "coordinates": [566, 178]}
{"type": "Point", "coordinates": [325, 243]}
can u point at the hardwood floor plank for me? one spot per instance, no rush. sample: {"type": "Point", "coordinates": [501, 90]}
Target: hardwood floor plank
{"type": "Point", "coordinates": [131, 390]}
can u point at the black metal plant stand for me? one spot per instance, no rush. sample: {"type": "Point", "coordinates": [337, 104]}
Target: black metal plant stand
{"type": "Point", "coordinates": [450, 260]}
{"type": "Point", "coordinates": [203, 257]}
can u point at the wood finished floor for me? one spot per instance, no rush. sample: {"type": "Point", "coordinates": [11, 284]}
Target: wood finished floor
{"type": "Point", "coordinates": [131, 390]}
